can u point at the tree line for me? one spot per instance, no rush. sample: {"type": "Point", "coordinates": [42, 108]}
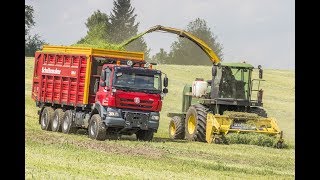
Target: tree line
{"type": "Point", "coordinates": [32, 42]}
{"type": "Point", "coordinates": [120, 25]}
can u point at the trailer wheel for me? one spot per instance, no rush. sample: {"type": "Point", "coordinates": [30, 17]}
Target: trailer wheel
{"type": "Point", "coordinates": [176, 128]}
{"type": "Point", "coordinates": [195, 123]}
{"type": "Point", "coordinates": [57, 120]}
{"type": "Point", "coordinates": [145, 135]}
{"type": "Point", "coordinates": [68, 125]}
{"type": "Point", "coordinates": [46, 118]}
{"type": "Point", "coordinates": [97, 129]}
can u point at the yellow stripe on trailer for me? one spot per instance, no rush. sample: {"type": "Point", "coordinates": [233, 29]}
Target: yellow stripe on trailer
{"type": "Point", "coordinates": [89, 51]}
{"type": "Point", "coordinates": [87, 81]}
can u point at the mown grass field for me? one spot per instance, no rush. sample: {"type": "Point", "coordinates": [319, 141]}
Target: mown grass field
{"type": "Point", "coordinates": [51, 155]}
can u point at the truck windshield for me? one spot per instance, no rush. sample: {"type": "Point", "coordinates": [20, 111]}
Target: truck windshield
{"type": "Point", "coordinates": [150, 83]}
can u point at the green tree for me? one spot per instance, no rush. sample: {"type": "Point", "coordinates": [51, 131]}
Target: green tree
{"type": "Point", "coordinates": [161, 57]}
{"type": "Point", "coordinates": [123, 26]}
{"type": "Point", "coordinates": [97, 25]}
{"type": "Point", "coordinates": [32, 43]}
{"type": "Point", "coordinates": [29, 22]}
{"type": "Point", "coordinates": [186, 52]}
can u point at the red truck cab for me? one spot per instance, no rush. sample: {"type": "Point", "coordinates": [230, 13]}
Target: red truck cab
{"type": "Point", "coordinates": [129, 99]}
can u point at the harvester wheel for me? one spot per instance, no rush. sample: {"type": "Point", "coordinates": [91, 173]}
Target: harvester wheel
{"type": "Point", "coordinates": [68, 125]}
{"type": "Point", "coordinates": [195, 123]}
{"type": "Point", "coordinates": [97, 129]}
{"type": "Point", "coordinates": [145, 135]}
{"type": "Point", "coordinates": [57, 120]}
{"type": "Point", "coordinates": [259, 111]}
{"type": "Point", "coordinates": [176, 128]}
{"type": "Point", "coordinates": [46, 118]}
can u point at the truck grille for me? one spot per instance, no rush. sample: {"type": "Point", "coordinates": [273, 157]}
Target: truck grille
{"type": "Point", "coordinates": [131, 100]}
{"type": "Point", "coordinates": [129, 103]}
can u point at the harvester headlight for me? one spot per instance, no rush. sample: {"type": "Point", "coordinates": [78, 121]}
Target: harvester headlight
{"type": "Point", "coordinates": [112, 114]}
{"type": "Point", "coordinates": [155, 117]}
{"type": "Point", "coordinates": [129, 63]}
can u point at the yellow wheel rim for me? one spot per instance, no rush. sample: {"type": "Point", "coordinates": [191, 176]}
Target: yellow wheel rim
{"type": "Point", "coordinates": [191, 124]}
{"type": "Point", "coordinates": [172, 129]}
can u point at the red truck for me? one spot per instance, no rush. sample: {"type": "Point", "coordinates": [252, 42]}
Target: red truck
{"type": "Point", "coordinates": [106, 92]}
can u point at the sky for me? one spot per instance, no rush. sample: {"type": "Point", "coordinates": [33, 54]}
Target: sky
{"type": "Point", "coordinates": [256, 31]}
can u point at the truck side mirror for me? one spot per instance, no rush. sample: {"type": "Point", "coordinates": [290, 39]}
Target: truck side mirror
{"type": "Point", "coordinates": [260, 71]}
{"type": "Point", "coordinates": [103, 75]}
{"type": "Point", "coordinates": [165, 81]}
{"type": "Point", "coordinates": [103, 84]}
{"type": "Point", "coordinates": [165, 90]}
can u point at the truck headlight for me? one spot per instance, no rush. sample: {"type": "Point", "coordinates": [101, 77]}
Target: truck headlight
{"type": "Point", "coordinates": [155, 117]}
{"type": "Point", "coordinates": [112, 114]}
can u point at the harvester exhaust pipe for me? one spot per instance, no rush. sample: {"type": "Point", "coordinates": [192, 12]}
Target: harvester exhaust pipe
{"type": "Point", "coordinates": [214, 90]}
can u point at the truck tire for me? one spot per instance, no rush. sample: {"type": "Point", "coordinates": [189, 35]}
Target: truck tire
{"type": "Point", "coordinates": [145, 135]}
{"type": "Point", "coordinates": [176, 128]}
{"type": "Point", "coordinates": [57, 120]}
{"type": "Point", "coordinates": [68, 126]}
{"type": "Point", "coordinates": [46, 118]}
{"type": "Point", "coordinates": [195, 123]}
{"type": "Point", "coordinates": [259, 111]}
{"type": "Point", "coordinates": [97, 129]}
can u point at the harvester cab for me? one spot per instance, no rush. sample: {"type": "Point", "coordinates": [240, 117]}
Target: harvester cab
{"type": "Point", "coordinates": [232, 84]}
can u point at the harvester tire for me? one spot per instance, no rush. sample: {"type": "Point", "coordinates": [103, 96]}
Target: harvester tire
{"type": "Point", "coordinates": [46, 118]}
{"type": "Point", "coordinates": [57, 120]}
{"type": "Point", "coordinates": [145, 135]}
{"type": "Point", "coordinates": [259, 111]}
{"type": "Point", "coordinates": [68, 125]}
{"type": "Point", "coordinates": [97, 129]}
{"type": "Point", "coordinates": [176, 128]}
{"type": "Point", "coordinates": [195, 123]}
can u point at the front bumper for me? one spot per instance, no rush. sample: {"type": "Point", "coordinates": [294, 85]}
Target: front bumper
{"type": "Point", "coordinates": [131, 119]}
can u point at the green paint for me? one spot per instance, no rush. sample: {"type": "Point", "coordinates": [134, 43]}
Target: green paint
{"type": "Point", "coordinates": [237, 65]}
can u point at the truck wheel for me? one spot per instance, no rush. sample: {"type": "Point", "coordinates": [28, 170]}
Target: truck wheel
{"type": "Point", "coordinates": [97, 129]}
{"type": "Point", "coordinates": [176, 128]}
{"type": "Point", "coordinates": [68, 126]}
{"type": "Point", "coordinates": [145, 135]}
{"type": "Point", "coordinates": [57, 120]}
{"type": "Point", "coordinates": [46, 118]}
{"type": "Point", "coordinates": [195, 123]}
{"type": "Point", "coordinates": [259, 111]}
